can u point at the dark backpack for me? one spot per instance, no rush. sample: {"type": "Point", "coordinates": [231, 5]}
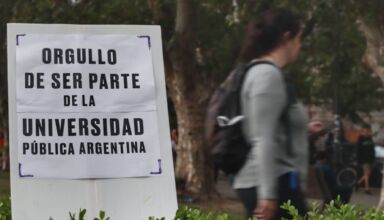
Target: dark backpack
{"type": "Point", "coordinates": [223, 124]}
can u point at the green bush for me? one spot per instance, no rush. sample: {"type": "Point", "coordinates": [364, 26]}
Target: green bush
{"type": "Point", "coordinates": [81, 215]}
{"type": "Point", "coordinates": [335, 210]}
{"type": "Point", "coordinates": [5, 209]}
{"type": "Point", "coordinates": [186, 213]}
{"type": "Point", "coordinates": [183, 213]}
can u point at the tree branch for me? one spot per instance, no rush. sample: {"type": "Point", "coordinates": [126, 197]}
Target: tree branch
{"type": "Point", "coordinates": [374, 50]}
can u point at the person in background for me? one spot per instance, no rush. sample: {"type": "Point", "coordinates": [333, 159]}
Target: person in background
{"type": "Point", "coordinates": [321, 140]}
{"type": "Point", "coordinates": [317, 139]}
{"type": "Point", "coordinates": [275, 121]}
{"type": "Point", "coordinates": [366, 156]}
{"type": "Point", "coordinates": [174, 141]}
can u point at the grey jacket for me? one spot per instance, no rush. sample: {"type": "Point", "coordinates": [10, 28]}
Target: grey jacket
{"type": "Point", "coordinates": [263, 100]}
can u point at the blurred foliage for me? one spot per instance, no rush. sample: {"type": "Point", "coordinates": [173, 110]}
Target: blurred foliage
{"type": "Point", "coordinates": [220, 37]}
{"type": "Point", "coordinates": [84, 12]}
{"type": "Point", "coordinates": [329, 68]}
{"type": "Point", "coordinates": [6, 12]}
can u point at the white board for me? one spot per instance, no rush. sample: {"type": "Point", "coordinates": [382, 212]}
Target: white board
{"type": "Point", "coordinates": [86, 106]}
{"type": "Point", "coordinates": [48, 182]}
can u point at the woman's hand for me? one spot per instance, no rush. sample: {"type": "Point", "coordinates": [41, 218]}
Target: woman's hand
{"type": "Point", "coordinates": [315, 127]}
{"type": "Point", "coordinates": [315, 130]}
{"type": "Point", "coordinates": [266, 209]}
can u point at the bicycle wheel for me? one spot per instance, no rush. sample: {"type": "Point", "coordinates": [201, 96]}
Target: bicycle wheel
{"type": "Point", "coordinates": [346, 177]}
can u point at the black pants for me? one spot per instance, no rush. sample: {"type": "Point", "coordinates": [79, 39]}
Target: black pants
{"type": "Point", "coordinates": [288, 189]}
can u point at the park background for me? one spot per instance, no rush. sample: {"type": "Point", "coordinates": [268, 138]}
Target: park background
{"type": "Point", "coordinates": [339, 72]}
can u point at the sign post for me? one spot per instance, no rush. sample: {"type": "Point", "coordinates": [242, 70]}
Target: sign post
{"type": "Point", "coordinates": [88, 122]}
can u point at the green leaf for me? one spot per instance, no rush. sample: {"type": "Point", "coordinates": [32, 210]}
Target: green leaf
{"type": "Point", "coordinates": [82, 214]}
{"type": "Point", "coordinates": [72, 216]}
{"type": "Point", "coordinates": [102, 215]}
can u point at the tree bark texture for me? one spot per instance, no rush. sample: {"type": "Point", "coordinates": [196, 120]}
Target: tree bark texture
{"type": "Point", "coordinates": [188, 92]}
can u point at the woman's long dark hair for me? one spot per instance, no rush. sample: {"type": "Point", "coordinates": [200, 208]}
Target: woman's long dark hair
{"type": "Point", "coordinates": [264, 33]}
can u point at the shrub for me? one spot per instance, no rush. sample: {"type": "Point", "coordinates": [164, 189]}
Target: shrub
{"type": "Point", "coordinates": [335, 210]}
{"type": "Point", "coordinates": [81, 215]}
{"type": "Point", "coordinates": [186, 213]}
{"type": "Point", "coordinates": [5, 209]}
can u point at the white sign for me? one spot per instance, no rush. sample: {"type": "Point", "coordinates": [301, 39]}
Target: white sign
{"type": "Point", "coordinates": [88, 122]}
{"type": "Point", "coordinates": [86, 106]}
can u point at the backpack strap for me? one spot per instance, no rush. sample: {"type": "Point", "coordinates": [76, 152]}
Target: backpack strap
{"type": "Point", "coordinates": [244, 72]}
{"type": "Point", "coordinates": [291, 99]}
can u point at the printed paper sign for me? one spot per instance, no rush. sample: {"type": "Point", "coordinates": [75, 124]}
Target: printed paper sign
{"type": "Point", "coordinates": [86, 106]}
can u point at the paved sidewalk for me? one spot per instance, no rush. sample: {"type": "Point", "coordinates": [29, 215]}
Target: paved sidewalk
{"type": "Point", "coordinates": [358, 198]}
{"type": "Point", "coordinates": [366, 201]}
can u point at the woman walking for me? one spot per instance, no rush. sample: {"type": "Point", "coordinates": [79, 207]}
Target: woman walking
{"type": "Point", "coordinates": [275, 120]}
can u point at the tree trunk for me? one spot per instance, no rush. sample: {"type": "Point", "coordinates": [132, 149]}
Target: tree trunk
{"type": "Point", "coordinates": [190, 97]}
{"type": "Point", "coordinates": [193, 162]}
